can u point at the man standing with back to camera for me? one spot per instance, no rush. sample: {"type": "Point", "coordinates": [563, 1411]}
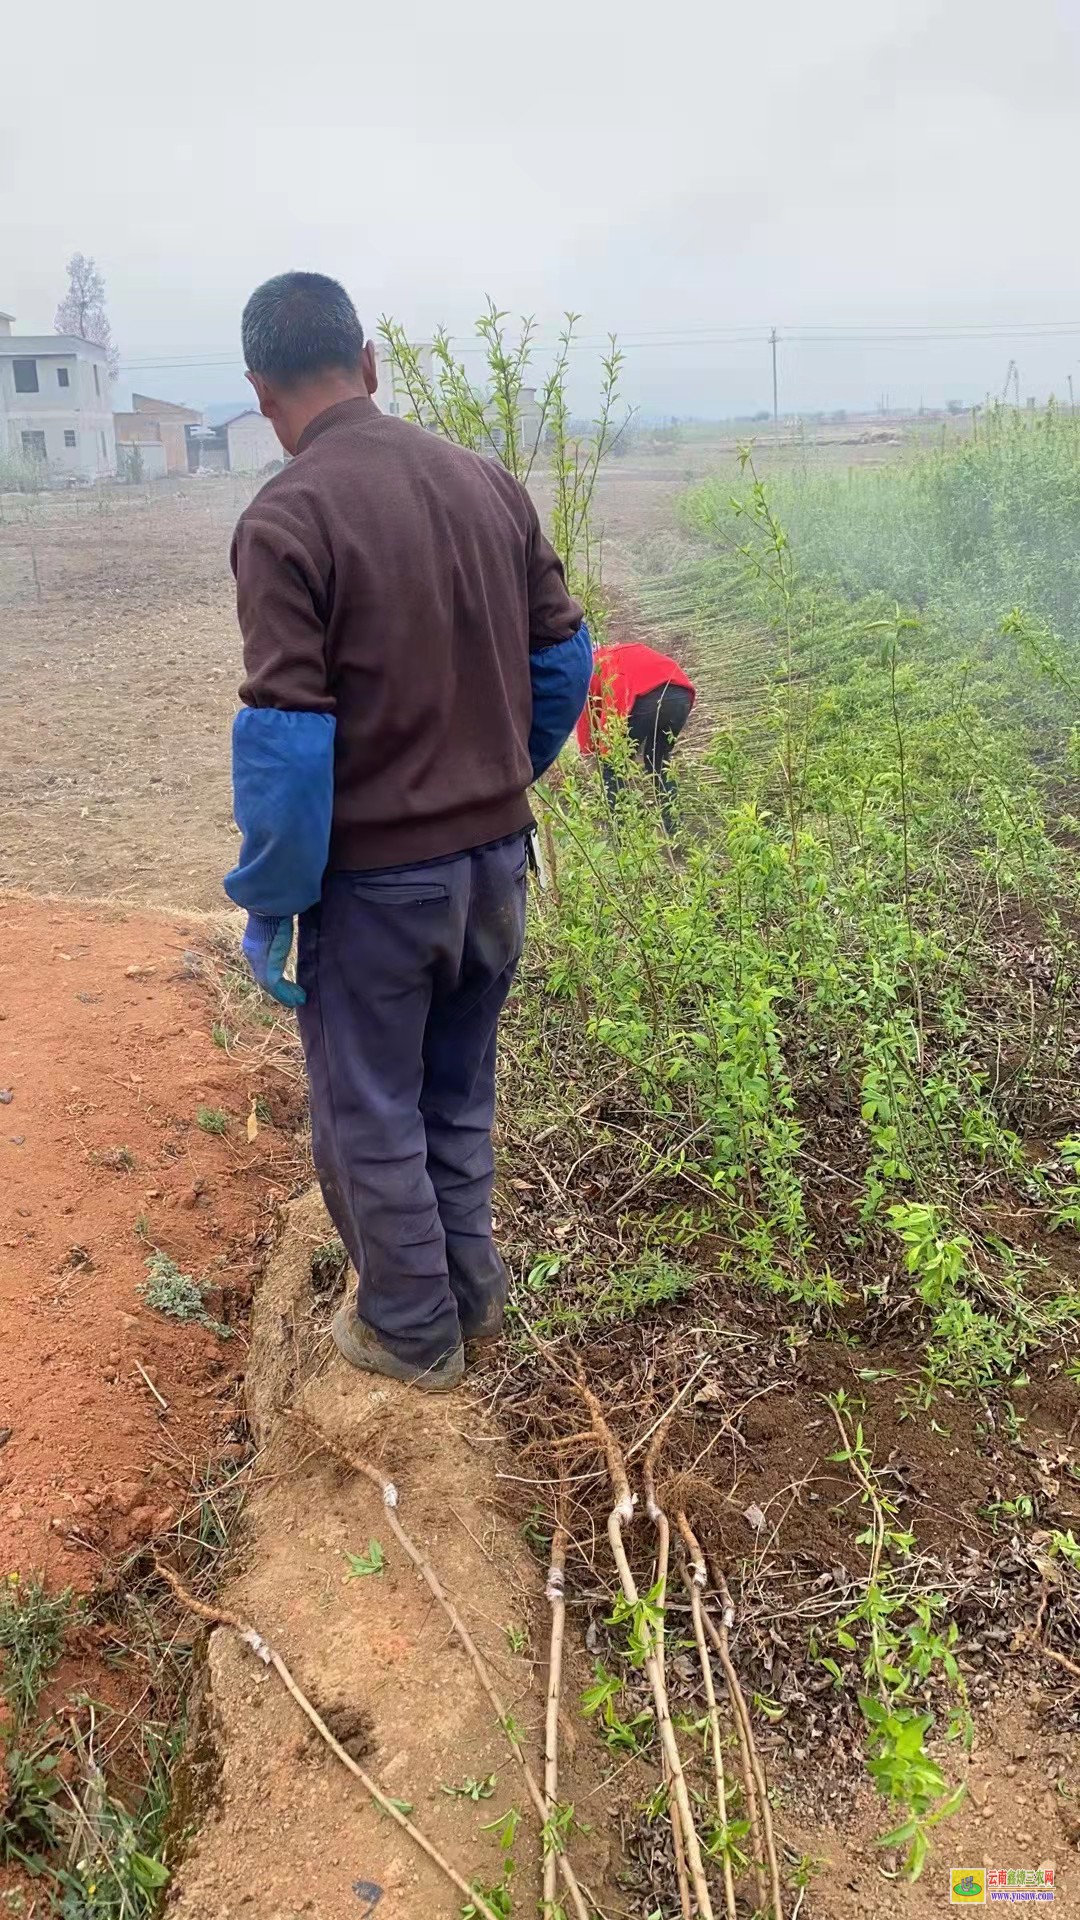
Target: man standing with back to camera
{"type": "Point", "coordinates": [413, 662]}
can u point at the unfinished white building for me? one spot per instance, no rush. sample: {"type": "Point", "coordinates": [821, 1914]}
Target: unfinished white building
{"type": "Point", "coordinates": [55, 404]}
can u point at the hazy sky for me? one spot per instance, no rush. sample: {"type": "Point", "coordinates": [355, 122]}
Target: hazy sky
{"type": "Point", "coordinates": [670, 170]}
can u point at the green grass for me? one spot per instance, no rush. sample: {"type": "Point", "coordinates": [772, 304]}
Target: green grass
{"type": "Point", "coordinates": [328, 1263]}
{"type": "Point", "coordinates": [33, 1624]}
{"type": "Point", "coordinates": [970, 529]}
{"type": "Point", "coordinates": [212, 1120]}
{"type": "Point", "coordinates": [974, 543]}
{"type": "Point", "coordinates": [580, 1303]}
{"type": "Point", "coordinates": [179, 1295]}
{"type": "Point", "coordinates": [58, 1819]}
{"type": "Point", "coordinates": [100, 1857]}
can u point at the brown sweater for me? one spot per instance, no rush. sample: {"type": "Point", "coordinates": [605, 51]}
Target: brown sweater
{"type": "Point", "coordinates": [399, 582]}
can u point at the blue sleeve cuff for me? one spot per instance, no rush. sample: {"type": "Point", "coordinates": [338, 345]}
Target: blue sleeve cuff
{"type": "Point", "coordinates": [283, 799]}
{"type": "Point", "coordinates": [560, 686]}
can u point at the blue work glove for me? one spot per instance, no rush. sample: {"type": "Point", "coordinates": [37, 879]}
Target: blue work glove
{"type": "Point", "coordinates": [267, 944]}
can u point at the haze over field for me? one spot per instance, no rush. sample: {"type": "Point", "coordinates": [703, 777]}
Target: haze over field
{"type": "Point", "coordinates": [689, 176]}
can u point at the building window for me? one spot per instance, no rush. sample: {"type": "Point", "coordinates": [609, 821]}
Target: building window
{"type": "Point", "coordinates": [63, 377]}
{"type": "Point", "coordinates": [26, 380]}
{"type": "Point", "coordinates": [97, 382]}
{"type": "Point", "coordinates": [69, 436]}
{"type": "Point", "coordinates": [33, 446]}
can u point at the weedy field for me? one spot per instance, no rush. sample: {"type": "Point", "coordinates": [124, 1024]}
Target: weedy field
{"type": "Point", "coordinates": [790, 1189]}
{"type": "Point", "coordinates": [811, 1179]}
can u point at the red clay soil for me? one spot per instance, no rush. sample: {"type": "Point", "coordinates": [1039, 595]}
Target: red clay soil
{"type": "Point", "coordinates": [106, 1056]}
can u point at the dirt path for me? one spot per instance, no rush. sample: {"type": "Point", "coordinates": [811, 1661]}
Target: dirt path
{"type": "Point", "coordinates": [292, 1833]}
{"type": "Point", "coordinates": [106, 1058]}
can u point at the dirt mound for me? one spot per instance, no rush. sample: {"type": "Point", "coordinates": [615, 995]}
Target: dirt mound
{"type": "Point", "coordinates": [107, 1063]}
{"type": "Point", "coordinates": [293, 1833]}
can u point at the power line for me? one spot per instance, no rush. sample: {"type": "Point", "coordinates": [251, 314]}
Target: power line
{"type": "Point", "coordinates": [899, 333]}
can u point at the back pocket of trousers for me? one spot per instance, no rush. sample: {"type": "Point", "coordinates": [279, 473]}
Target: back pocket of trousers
{"type": "Point", "coordinates": [397, 891]}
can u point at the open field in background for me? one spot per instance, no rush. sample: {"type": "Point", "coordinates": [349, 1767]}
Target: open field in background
{"type": "Point", "coordinates": [120, 660]}
{"type": "Point", "coordinates": [789, 1123]}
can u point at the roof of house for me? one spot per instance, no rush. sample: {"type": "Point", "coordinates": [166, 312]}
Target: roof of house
{"type": "Point", "coordinates": [248, 414]}
{"type": "Point", "coordinates": [32, 346]}
{"type": "Point", "coordinates": [164, 409]}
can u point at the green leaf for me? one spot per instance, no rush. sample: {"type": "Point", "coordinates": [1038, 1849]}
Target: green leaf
{"type": "Point", "coordinates": [948, 1806]}
{"type": "Point", "coordinates": [917, 1858]}
{"type": "Point", "coordinates": [899, 1836]}
{"type": "Point", "coordinates": [148, 1872]}
{"type": "Point", "coordinates": [361, 1565]}
{"type": "Point", "coordinates": [470, 1789]}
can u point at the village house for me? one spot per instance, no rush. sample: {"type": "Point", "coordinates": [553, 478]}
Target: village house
{"type": "Point", "coordinates": [54, 404]}
{"type": "Point", "coordinates": [150, 439]}
{"type": "Point", "coordinates": [243, 443]}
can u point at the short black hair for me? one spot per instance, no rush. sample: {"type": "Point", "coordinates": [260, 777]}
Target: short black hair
{"type": "Point", "coordinates": [298, 325]}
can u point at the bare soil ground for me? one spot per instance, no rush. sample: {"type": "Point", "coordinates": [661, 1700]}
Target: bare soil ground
{"type": "Point", "coordinates": [112, 1412]}
{"type": "Point", "coordinates": [106, 1054]}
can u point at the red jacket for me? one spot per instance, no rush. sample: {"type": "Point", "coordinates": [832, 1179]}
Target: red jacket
{"type": "Point", "coordinates": [621, 675]}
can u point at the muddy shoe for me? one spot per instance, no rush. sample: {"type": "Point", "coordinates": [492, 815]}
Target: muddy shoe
{"type": "Point", "coordinates": [362, 1348]}
{"type": "Point", "coordinates": [484, 1328]}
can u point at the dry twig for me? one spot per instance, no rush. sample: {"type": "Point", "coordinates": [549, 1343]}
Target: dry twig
{"type": "Point", "coordinates": [696, 1582]}
{"type": "Point", "coordinates": [663, 1555]}
{"type": "Point", "coordinates": [621, 1514]}
{"type": "Point", "coordinates": [1050, 1653]}
{"type": "Point", "coordinates": [219, 1617]}
{"type": "Point", "coordinates": [390, 1501]}
{"type": "Point", "coordinates": [757, 1788]}
{"type": "Point", "coordinates": [556, 1594]}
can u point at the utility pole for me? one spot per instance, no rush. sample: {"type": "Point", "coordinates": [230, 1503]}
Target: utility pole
{"type": "Point", "coordinates": [773, 337]}
{"type": "Point", "coordinates": [1071, 407]}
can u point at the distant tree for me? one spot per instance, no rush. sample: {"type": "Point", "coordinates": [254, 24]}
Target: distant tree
{"type": "Point", "coordinates": [82, 310]}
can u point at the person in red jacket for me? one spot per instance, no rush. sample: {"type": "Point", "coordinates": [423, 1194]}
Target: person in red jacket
{"type": "Point", "coordinates": [654, 696]}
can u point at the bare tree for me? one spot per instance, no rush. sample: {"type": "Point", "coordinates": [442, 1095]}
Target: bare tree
{"type": "Point", "coordinates": [82, 310]}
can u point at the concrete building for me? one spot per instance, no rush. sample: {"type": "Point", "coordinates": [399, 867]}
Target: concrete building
{"type": "Point", "coordinates": [252, 443]}
{"type": "Point", "coordinates": [54, 404]}
{"type": "Point", "coordinates": [150, 439]}
{"type": "Point", "coordinates": [244, 443]}
{"type": "Point", "coordinates": [207, 449]}
{"type": "Point", "coordinates": [530, 421]}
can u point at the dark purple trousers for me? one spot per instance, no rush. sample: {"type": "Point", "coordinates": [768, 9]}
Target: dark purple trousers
{"type": "Point", "coordinates": [406, 971]}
